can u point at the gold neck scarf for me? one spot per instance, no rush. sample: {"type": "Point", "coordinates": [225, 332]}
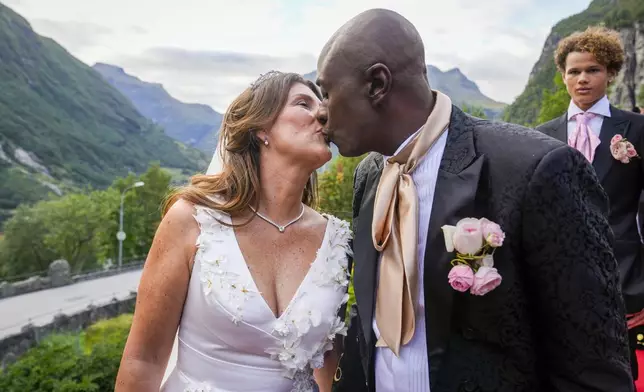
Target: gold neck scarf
{"type": "Point", "coordinates": [395, 232]}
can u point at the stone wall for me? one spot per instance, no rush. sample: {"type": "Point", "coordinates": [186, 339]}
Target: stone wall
{"type": "Point", "coordinates": [12, 347]}
{"type": "Point", "coordinates": [104, 273]}
{"type": "Point", "coordinates": [59, 275]}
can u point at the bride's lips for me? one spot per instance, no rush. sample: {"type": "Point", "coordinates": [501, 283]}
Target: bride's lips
{"type": "Point", "coordinates": [327, 138]}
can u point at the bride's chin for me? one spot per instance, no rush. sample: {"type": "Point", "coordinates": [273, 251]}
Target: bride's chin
{"type": "Point", "coordinates": [323, 157]}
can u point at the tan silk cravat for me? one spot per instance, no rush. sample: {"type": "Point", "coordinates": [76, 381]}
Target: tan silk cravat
{"type": "Point", "coordinates": [395, 232]}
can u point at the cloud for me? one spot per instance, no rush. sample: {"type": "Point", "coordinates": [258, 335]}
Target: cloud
{"type": "Point", "coordinates": [208, 50]}
{"type": "Point", "coordinates": [228, 63]}
{"type": "Point", "coordinates": [210, 77]}
{"type": "Point", "coordinates": [495, 77]}
{"type": "Point", "coordinates": [13, 3]}
{"type": "Point", "coordinates": [75, 35]}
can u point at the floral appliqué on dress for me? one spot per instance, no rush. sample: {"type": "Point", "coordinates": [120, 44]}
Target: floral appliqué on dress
{"type": "Point", "coordinates": [332, 272]}
{"type": "Point", "coordinates": [215, 274]}
{"type": "Point", "coordinates": [304, 316]}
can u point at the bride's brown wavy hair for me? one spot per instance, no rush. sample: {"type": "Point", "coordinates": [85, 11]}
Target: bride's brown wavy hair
{"type": "Point", "coordinates": [238, 185]}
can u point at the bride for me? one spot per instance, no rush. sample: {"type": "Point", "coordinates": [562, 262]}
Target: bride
{"type": "Point", "coordinates": [242, 264]}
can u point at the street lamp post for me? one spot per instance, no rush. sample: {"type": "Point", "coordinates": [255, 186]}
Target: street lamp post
{"type": "Point", "coordinates": [120, 236]}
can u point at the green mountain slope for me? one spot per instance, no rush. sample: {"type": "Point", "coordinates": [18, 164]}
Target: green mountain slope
{"type": "Point", "coordinates": [613, 13]}
{"type": "Point", "coordinates": [63, 126]}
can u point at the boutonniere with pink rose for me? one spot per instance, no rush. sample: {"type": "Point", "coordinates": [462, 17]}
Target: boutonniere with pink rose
{"type": "Point", "coordinates": [474, 241]}
{"type": "Point", "coordinates": [622, 149]}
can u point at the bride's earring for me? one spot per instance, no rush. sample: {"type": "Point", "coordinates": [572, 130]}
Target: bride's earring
{"type": "Point", "coordinates": [266, 142]}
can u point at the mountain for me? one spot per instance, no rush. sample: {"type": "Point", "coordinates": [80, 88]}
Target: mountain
{"type": "Point", "coordinates": [627, 16]}
{"type": "Point", "coordinates": [461, 89]}
{"type": "Point", "coordinates": [458, 87]}
{"type": "Point", "coordinates": [63, 127]}
{"type": "Point", "coordinates": [192, 124]}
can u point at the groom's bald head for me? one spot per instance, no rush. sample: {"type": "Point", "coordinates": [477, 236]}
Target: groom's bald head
{"type": "Point", "coordinates": [375, 36]}
{"type": "Point", "coordinates": [372, 72]}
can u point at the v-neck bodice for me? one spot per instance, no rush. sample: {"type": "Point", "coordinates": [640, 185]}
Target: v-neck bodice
{"type": "Point", "coordinates": [230, 339]}
{"type": "Point", "coordinates": [318, 255]}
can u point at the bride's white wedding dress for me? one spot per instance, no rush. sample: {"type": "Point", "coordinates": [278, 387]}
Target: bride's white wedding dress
{"type": "Point", "coordinates": [230, 340]}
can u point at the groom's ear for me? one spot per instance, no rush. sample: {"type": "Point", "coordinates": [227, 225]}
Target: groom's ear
{"type": "Point", "coordinates": [378, 77]}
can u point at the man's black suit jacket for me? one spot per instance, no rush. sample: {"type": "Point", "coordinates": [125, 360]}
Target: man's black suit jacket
{"type": "Point", "coordinates": [557, 321]}
{"type": "Point", "coordinates": [624, 184]}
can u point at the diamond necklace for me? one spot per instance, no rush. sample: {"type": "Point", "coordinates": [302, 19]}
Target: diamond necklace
{"type": "Point", "coordinates": [279, 227]}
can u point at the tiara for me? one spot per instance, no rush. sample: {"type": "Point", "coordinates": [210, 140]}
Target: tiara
{"type": "Point", "coordinates": [264, 77]}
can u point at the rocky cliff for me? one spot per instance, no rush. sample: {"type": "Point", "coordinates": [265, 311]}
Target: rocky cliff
{"type": "Point", "coordinates": [625, 16]}
{"type": "Point", "coordinates": [630, 81]}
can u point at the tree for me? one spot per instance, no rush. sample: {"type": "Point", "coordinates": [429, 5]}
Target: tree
{"type": "Point", "coordinates": [473, 110]}
{"type": "Point", "coordinates": [554, 103]}
{"type": "Point", "coordinates": [81, 227]}
{"type": "Point", "coordinates": [336, 187]}
{"type": "Point", "coordinates": [640, 97]}
{"type": "Point", "coordinates": [3, 257]}
{"type": "Point", "coordinates": [73, 223]}
{"type": "Point", "coordinates": [336, 195]}
{"type": "Point", "coordinates": [142, 212]}
{"type": "Point", "coordinates": [24, 250]}
{"type": "Point", "coordinates": [64, 227]}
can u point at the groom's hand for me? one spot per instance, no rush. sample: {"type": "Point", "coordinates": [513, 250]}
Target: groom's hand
{"type": "Point", "coordinates": [349, 376]}
{"type": "Point", "coordinates": [572, 275]}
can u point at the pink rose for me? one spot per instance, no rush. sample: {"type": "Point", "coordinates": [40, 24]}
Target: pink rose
{"type": "Point", "coordinates": [630, 151]}
{"type": "Point", "coordinates": [492, 233]}
{"type": "Point", "coordinates": [468, 238]}
{"type": "Point", "coordinates": [461, 277]}
{"type": "Point", "coordinates": [616, 139]}
{"type": "Point", "coordinates": [619, 151]}
{"type": "Point", "coordinates": [485, 280]}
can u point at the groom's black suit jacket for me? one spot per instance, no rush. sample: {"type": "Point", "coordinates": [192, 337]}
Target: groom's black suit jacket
{"type": "Point", "coordinates": [556, 322]}
{"type": "Point", "coordinates": [624, 184]}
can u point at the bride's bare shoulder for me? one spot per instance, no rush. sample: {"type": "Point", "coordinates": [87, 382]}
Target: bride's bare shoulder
{"type": "Point", "coordinates": [181, 211]}
{"type": "Point", "coordinates": [179, 220]}
{"type": "Point", "coordinates": [176, 235]}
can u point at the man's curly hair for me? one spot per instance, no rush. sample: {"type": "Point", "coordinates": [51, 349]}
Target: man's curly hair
{"type": "Point", "coordinates": [603, 43]}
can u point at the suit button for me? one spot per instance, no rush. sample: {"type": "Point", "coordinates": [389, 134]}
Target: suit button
{"type": "Point", "coordinates": [468, 333]}
{"type": "Point", "coordinates": [468, 386]}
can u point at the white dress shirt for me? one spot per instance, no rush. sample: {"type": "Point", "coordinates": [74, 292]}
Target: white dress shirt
{"type": "Point", "coordinates": [601, 108]}
{"type": "Point", "coordinates": [410, 372]}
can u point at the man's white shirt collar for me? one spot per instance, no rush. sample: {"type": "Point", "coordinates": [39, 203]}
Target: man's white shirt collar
{"type": "Point", "coordinates": [601, 107]}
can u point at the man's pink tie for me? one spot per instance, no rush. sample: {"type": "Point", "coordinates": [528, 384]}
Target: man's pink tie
{"type": "Point", "coordinates": [583, 138]}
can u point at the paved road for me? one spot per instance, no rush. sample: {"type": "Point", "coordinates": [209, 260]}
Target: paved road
{"type": "Point", "coordinates": [41, 306]}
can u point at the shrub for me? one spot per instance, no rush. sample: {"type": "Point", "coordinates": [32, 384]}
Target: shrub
{"type": "Point", "coordinates": [86, 362]}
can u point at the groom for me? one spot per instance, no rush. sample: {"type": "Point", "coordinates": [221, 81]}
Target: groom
{"type": "Point", "coordinates": [555, 322]}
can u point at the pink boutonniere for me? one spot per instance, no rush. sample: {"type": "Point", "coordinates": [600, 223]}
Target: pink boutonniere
{"type": "Point", "coordinates": [622, 149]}
{"type": "Point", "coordinates": [474, 241]}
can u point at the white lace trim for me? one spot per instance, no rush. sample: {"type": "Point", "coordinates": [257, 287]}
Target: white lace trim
{"type": "Point", "coordinates": [293, 325]}
{"type": "Point", "coordinates": [198, 387]}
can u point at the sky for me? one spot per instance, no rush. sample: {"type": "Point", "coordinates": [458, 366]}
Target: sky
{"type": "Point", "coordinates": [208, 51]}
